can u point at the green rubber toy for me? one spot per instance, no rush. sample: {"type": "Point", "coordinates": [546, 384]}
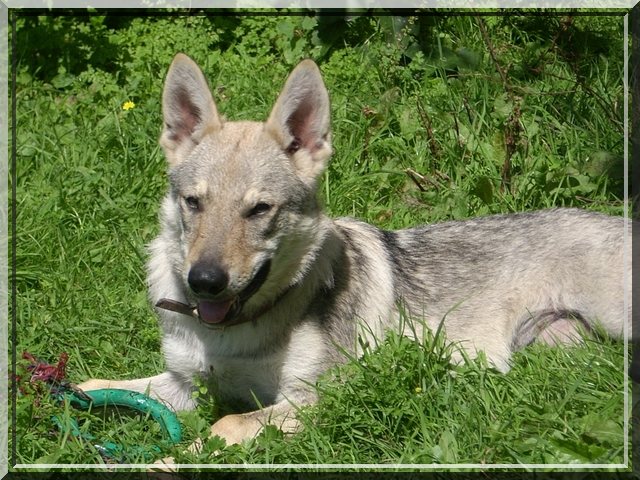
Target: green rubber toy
{"type": "Point", "coordinates": [111, 397]}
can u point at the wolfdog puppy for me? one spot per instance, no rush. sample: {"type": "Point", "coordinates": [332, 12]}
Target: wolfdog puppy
{"type": "Point", "coordinates": [257, 288]}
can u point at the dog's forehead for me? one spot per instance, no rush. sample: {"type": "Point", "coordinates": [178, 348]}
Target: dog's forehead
{"type": "Point", "coordinates": [235, 158]}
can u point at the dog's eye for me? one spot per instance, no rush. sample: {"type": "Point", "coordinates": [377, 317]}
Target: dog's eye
{"type": "Point", "coordinates": [260, 209]}
{"type": "Point", "coordinates": [192, 202]}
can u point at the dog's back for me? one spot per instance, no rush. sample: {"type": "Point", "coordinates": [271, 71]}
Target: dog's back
{"type": "Point", "coordinates": [498, 282]}
{"type": "Point", "coordinates": [503, 280]}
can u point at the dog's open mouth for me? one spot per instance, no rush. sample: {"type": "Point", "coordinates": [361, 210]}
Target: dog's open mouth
{"type": "Point", "coordinates": [220, 314]}
{"type": "Point", "coordinates": [215, 312]}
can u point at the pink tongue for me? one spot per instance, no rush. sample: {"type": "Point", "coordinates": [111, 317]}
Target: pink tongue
{"type": "Point", "coordinates": [213, 312]}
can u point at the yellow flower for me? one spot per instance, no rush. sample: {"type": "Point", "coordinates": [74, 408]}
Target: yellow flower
{"type": "Point", "coordinates": [128, 105]}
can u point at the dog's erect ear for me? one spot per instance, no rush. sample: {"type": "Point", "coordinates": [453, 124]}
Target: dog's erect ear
{"type": "Point", "coordinates": [300, 120]}
{"type": "Point", "coordinates": [188, 109]}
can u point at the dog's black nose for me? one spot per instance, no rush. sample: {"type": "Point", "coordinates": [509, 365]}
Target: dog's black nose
{"type": "Point", "coordinates": [207, 280]}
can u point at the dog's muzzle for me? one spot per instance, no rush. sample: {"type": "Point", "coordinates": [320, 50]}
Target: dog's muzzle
{"type": "Point", "coordinates": [219, 315]}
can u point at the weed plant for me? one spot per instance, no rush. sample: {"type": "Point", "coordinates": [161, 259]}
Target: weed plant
{"type": "Point", "coordinates": [435, 117]}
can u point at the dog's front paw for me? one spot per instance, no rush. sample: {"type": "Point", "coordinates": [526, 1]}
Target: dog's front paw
{"type": "Point", "coordinates": [165, 469]}
{"type": "Point", "coordinates": [95, 384]}
{"type": "Point", "coordinates": [235, 428]}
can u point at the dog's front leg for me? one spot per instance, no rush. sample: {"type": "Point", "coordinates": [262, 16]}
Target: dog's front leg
{"type": "Point", "coordinates": [236, 428]}
{"type": "Point", "coordinates": [167, 387]}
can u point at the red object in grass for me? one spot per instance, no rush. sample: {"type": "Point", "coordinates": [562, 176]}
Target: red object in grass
{"type": "Point", "coordinates": [44, 372]}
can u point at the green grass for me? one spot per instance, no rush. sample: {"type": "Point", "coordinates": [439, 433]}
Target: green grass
{"type": "Point", "coordinates": [90, 176]}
